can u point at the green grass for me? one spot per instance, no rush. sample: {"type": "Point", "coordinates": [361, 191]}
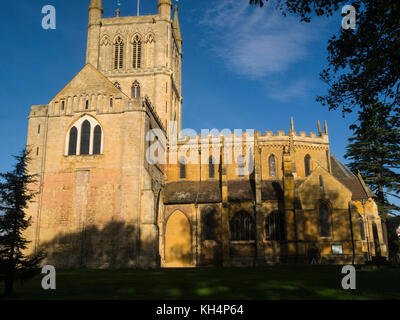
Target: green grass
{"type": "Point", "coordinates": [277, 282]}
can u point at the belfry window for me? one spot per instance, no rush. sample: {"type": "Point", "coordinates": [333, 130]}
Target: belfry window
{"type": "Point", "coordinates": [84, 138]}
{"type": "Point", "coordinates": [272, 166]}
{"type": "Point", "coordinates": [136, 90]}
{"type": "Point", "coordinates": [137, 53]}
{"type": "Point", "coordinates": [242, 227]}
{"type": "Point", "coordinates": [307, 165]}
{"type": "Point", "coordinates": [118, 54]}
{"type": "Point", "coordinates": [324, 220]}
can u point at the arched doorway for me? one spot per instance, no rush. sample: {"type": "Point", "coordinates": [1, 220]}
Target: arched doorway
{"type": "Point", "coordinates": [178, 241]}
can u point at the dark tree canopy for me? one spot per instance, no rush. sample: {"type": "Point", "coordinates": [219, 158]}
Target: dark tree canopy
{"type": "Point", "coordinates": [374, 151]}
{"type": "Point", "coordinates": [15, 195]}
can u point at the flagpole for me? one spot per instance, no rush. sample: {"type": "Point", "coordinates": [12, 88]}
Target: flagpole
{"type": "Point", "coordinates": [138, 7]}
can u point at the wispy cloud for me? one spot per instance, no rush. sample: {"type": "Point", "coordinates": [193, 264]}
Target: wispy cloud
{"type": "Point", "coordinates": [285, 91]}
{"type": "Point", "coordinates": [255, 42]}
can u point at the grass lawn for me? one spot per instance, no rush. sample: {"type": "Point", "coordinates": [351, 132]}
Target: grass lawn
{"type": "Point", "coordinates": [277, 282]}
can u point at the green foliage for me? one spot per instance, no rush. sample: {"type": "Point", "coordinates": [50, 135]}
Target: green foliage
{"type": "Point", "coordinates": [14, 198]}
{"type": "Point", "coordinates": [374, 151]}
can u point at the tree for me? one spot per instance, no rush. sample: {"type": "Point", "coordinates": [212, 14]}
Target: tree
{"type": "Point", "coordinates": [364, 64]}
{"type": "Point", "coordinates": [374, 151]}
{"type": "Point", "coordinates": [14, 198]}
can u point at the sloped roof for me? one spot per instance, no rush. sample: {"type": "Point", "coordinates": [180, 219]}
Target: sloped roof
{"type": "Point", "coordinates": [89, 79]}
{"type": "Point", "coordinates": [180, 192]}
{"type": "Point", "coordinates": [352, 182]}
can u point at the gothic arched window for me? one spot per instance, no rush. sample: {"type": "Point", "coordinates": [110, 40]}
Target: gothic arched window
{"type": "Point", "coordinates": [97, 140]}
{"type": "Point", "coordinates": [307, 165]}
{"type": "Point", "coordinates": [85, 137]}
{"type": "Point", "coordinates": [136, 90]}
{"type": "Point", "coordinates": [137, 52]}
{"type": "Point", "coordinates": [182, 168]}
{"type": "Point", "coordinates": [242, 227]}
{"type": "Point", "coordinates": [324, 220]}
{"type": "Point", "coordinates": [361, 224]}
{"type": "Point", "coordinates": [209, 224]}
{"type": "Point", "coordinates": [73, 138]}
{"type": "Point", "coordinates": [272, 166]}
{"type": "Point", "coordinates": [275, 226]}
{"type": "Point", "coordinates": [118, 53]}
{"type": "Point", "coordinates": [211, 167]}
{"type": "Point", "coordinates": [241, 163]}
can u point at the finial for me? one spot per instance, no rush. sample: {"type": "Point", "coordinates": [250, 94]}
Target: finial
{"type": "Point", "coordinates": [326, 127]}
{"type": "Point", "coordinates": [291, 124]}
{"type": "Point", "coordinates": [118, 11]}
{"type": "Point", "coordinates": [319, 128]}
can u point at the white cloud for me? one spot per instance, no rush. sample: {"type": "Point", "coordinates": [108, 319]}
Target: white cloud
{"type": "Point", "coordinates": [255, 42]}
{"type": "Point", "coordinates": [283, 91]}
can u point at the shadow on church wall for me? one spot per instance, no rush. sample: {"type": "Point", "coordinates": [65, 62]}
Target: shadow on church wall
{"type": "Point", "coordinates": [114, 246]}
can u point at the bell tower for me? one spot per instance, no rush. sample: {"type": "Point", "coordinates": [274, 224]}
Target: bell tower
{"type": "Point", "coordinates": [141, 55]}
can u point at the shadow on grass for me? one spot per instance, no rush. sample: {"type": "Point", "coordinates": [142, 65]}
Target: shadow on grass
{"type": "Point", "coordinates": [278, 282]}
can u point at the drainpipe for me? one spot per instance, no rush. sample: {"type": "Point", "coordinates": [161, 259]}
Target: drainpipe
{"type": "Point", "coordinates": [196, 205]}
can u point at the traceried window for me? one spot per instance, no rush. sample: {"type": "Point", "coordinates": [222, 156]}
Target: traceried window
{"type": "Point", "coordinates": [209, 224]}
{"type": "Point", "coordinates": [324, 220]}
{"type": "Point", "coordinates": [137, 53]}
{"type": "Point", "coordinates": [73, 138]}
{"type": "Point", "coordinates": [361, 225]}
{"type": "Point", "coordinates": [241, 165]}
{"type": "Point", "coordinates": [275, 226]}
{"type": "Point", "coordinates": [84, 138]}
{"type": "Point", "coordinates": [182, 168]}
{"type": "Point", "coordinates": [272, 166]}
{"type": "Point", "coordinates": [242, 227]}
{"type": "Point", "coordinates": [307, 165]}
{"type": "Point", "coordinates": [118, 53]}
{"type": "Point", "coordinates": [211, 167]}
{"type": "Point", "coordinates": [97, 140]}
{"type": "Point", "coordinates": [136, 90]}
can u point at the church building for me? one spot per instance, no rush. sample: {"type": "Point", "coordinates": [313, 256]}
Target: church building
{"type": "Point", "coordinates": [217, 199]}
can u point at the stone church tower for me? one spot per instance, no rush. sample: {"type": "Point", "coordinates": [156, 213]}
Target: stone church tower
{"type": "Point", "coordinates": [231, 199]}
{"type": "Point", "coordinates": [98, 196]}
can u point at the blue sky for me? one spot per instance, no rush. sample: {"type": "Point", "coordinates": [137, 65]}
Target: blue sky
{"type": "Point", "coordinates": [248, 67]}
